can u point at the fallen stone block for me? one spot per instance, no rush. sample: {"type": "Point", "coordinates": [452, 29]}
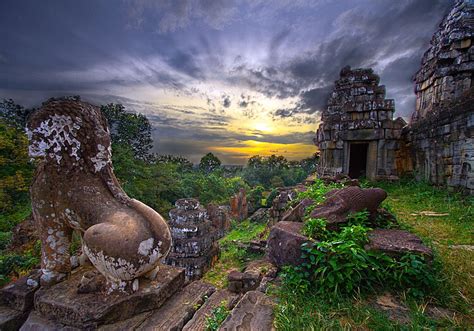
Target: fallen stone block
{"type": "Point", "coordinates": [198, 322]}
{"type": "Point", "coordinates": [63, 304]}
{"type": "Point", "coordinates": [284, 243]}
{"type": "Point", "coordinates": [396, 242]}
{"type": "Point", "coordinates": [253, 312]}
{"type": "Point", "coordinates": [19, 295]}
{"type": "Point", "coordinates": [179, 309]}
{"type": "Point", "coordinates": [11, 319]}
{"type": "Point", "coordinates": [297, 213]}
{"type": "Point", "coordinates": [341, 203]}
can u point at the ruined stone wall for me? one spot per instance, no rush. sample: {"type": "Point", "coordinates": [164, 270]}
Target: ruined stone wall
{"type": "Point", "coordinates": [447, 66]}
{"type": "Point", "coordinates": [442, 144]}
{"type": "Point", "coordinates": [440, 136]}
{"type": "Point", "coordinates": [357, 112]}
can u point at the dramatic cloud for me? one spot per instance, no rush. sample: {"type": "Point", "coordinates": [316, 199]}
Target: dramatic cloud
{"type": "Point", "coordinates": [214, 75]}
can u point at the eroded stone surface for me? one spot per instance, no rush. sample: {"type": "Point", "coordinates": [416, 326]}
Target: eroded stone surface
{"type": "Point", "coordinates": [194, 238]}
{"type": "Point", "coordinates": [36, 322]}
{"type": "Point", "coordinates": [253, 312]}
{"type": "Point", "coordinates": [11, 319]}
{"type": "Point", "coordinates": [62, 303]}
{"type": "Point", "coordinates": [339, 204]}
{"type": "Point", "coordinates": [395, 242]}
{"type": "Point", "coordinates": [440, 139]}
{"type": "Point", "coordinates": [198, 322]}
{"type": "Point", "coordinates": [284, 243]}
{"type": "Point", "coordinates": [19, 295]}
{"type": "Point", "coordinates": [75, 189]}
{"type": "Point", "coordinates": [179, 309]}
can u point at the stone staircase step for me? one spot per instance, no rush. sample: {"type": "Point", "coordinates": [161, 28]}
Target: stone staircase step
{"type": "Point", "coordinates": [179, 309]}
{"type": "Point", "coordinates": [198, 322]}
{"type": "Point", "coordinates": [253, 312]}
{"type": "Point", "coordinates": [11, 319]}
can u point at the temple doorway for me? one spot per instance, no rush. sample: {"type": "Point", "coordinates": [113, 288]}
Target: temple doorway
{"type": "Point", "coordinates": [358, 160]}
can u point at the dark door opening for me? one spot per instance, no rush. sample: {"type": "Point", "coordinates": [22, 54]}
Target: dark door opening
{"type": "Point", "coordinates": [358, 160]}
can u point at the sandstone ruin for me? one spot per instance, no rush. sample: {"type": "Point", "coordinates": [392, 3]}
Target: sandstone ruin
{"type": "Point", "coordinates": [440, 139]}
{"type": "Point", "coordinates": [75, 189]}
{"type": "Point", "coordinates": [194, 238]}
{"type": "Point", "coordinates": [358, 136]}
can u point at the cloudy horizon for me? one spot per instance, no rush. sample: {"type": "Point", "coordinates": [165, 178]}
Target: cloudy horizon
{"type": "Point", "coordinates": [235, 78]}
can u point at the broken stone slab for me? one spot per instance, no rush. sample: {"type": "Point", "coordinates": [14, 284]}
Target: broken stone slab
{"type": "Point", "coordinates": [11, 319]}
{"type": "Point", "coordinates": [396, 242]}
{"type": "Point", "coordinates": [179, 309]}
{"type": "Point", "coordinates": [392, 307]}
{"type": "Point", "coordinates": [250, 279]}
{"type": "Point", "coordinates": [19, 295]}
{"type": "Point", "coordinates": [253, 312]}
{"type": "Point", "coordinates": [36, 322]}
{"type": "Point", "coordinates": [198, 322]}
{"type": "Point", "coordinates": [297, 213]}
{"type": "Point", "coordinates": [284, 243]}
{"type": "Point", "coordinates": [63, 304]}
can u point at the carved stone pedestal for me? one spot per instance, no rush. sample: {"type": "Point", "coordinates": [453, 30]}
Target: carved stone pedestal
{"type": "Point", "coordinates": [62, 303]}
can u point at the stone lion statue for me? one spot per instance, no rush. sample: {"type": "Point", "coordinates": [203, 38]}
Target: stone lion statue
{"type": "Point", "coordinates": [74, 188]}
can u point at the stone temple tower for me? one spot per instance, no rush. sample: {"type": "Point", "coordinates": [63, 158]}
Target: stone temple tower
{"type": "Point", "coordinates": [358, 136]}
{"type": "Point", "coordinates": [441, 135]}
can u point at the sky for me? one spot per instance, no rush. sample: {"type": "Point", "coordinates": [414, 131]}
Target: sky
{"type": "Point", "coordinates": [231, 77]}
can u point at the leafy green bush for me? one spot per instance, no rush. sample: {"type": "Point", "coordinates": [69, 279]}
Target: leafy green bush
{"type": "Point", "coordinates": [317, 192]}
{"type": "Point", "coordinates": [18, 264]}
{"type": "Point", "coordinates": [339, 264]}
{"type": "Point", "coordinates": [5, 238]}
{"type": "Point", "coordinates": [218, 315]}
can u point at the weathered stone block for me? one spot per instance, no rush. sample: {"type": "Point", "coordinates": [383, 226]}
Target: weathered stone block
{"type": "Point", "coordinates": [253, 312]}
{"type": "Point", "coordinates": [63, 304]}
{"type": "Point", "coordinates": [19, 295]}
{"type": "Point", "coordinates": [395, 242]}
{"type": "Point", "coordinates": [284, 243]}
{"type": "Point", "coordinates": [179, 309]}
{"type": "Point", "coordinates": [11, 319]}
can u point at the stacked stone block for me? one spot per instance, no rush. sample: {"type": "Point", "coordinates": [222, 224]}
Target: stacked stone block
{"type": "Point", "coordinates": [441, 135]}
{"type": "Point", "coordinates": [194, 247]}
{"type": "Point", "coordinates": [357, 112]}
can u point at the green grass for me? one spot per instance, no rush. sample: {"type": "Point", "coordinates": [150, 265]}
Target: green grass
{"type": "Point", "coordinates": [231, 256]}
{"type": "Point", "coordinates": [306, 310]}
{"type": "Point", "coordinates": [408, 198]}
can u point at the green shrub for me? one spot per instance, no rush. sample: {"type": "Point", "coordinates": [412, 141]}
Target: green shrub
{"type": "Point", "coordinates": [218, 315]}
{"type": "Point", "coordinates": [5, 238]}
{"type": "Point", "coordinates": [338, 264]}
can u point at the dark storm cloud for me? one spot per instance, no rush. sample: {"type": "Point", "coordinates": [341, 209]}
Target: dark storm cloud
{"type": "Point", "coordinates": [101, 49]}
